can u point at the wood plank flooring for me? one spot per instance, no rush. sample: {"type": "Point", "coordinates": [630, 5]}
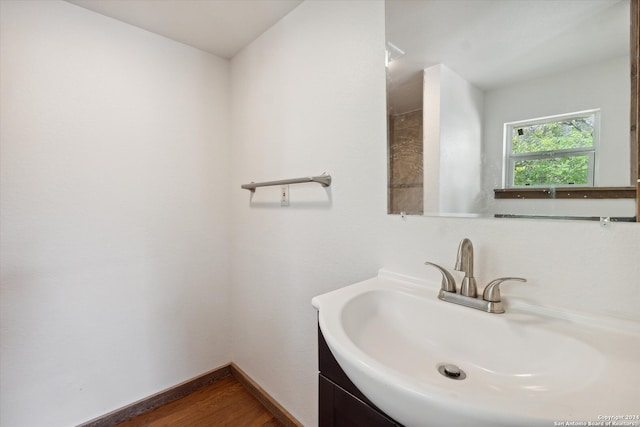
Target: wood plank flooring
{"type": "Point", "coordinates": [225, 402]}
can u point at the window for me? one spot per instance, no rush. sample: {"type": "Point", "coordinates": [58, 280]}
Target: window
{"type": "Point", "coordinates": [552, 151]}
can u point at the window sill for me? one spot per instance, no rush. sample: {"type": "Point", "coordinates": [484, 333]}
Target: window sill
{"type": "Point", "coordinates": [566, 193]}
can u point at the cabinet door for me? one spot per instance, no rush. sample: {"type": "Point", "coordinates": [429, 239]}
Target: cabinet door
{"type": "Point", "coordinates": [339, 408]}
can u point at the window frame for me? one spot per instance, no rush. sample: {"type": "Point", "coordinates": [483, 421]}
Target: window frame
{"type": "Point", "coordinates": [510, 158]}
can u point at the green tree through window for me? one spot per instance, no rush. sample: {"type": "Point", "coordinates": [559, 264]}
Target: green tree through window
{"type": "Point", "coordinates": [556, 152]}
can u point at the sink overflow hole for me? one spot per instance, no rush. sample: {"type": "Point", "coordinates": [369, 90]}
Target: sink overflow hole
{"type": "Point", "coordinates": [452, 371]}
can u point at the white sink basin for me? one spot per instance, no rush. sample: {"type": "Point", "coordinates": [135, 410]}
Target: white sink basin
{"type": "Point", "coordinates": [523, 368]}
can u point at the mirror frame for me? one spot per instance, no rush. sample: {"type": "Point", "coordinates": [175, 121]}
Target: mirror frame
{"type": "Point", "coordinates": [635, 101]}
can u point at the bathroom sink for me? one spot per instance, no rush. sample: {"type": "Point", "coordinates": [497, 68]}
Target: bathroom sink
{"type": "Point", "coordinates": [526, 367]}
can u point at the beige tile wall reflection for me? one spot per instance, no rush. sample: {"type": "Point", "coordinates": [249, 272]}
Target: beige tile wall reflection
{"type": "Point", "coordinates": [405, 163]}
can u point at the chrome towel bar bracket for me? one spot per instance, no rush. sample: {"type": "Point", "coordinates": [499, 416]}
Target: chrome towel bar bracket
{"type": "Point", "coordinates": [324, 180]}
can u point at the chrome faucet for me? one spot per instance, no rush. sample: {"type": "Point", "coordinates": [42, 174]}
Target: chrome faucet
{"type": "Point", "coordinates": [490, 302]}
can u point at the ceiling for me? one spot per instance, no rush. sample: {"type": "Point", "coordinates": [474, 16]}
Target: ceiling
{"type": "Point", "coordinates": [221, 27]}
{"type": "Point", "coordinates": [492, 43]}
{"type": "Point", "coordinates": [488, 42]}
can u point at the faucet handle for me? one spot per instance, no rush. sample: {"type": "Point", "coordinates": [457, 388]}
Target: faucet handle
{"type": "Point", "coordinates": [448, 282]}
{"type": "Point", "coordinates": [492, 291]}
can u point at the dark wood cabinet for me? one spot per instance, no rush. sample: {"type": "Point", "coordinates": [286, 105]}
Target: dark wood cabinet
{"type": "Point", "coordinates": [341, 404]}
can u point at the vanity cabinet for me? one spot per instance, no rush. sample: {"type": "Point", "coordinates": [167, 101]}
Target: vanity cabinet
{"type": "Point", "coordinates": [341, 404]}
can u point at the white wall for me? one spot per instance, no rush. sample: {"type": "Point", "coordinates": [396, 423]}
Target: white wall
{"type": "Point", "coordinates": [309, 96]}
{"type": "Point", "coordinates": [115, 234]}
{"type": "Point", "coordinates": [431, 117]}
{"type": "Point", "coordinates": [452, 110]}
{"type": "Point", "coordinates": [603, 85]}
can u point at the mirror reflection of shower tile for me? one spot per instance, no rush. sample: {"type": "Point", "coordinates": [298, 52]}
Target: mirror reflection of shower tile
{"type": "Point", "coordinates": [406, 163]}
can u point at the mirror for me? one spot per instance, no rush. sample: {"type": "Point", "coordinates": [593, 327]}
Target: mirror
{"type": "Point", "coordinates": [466, 77]}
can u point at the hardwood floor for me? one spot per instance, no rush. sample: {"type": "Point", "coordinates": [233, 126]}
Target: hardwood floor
{"type": "Point", "coordinates": [223, 403]}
